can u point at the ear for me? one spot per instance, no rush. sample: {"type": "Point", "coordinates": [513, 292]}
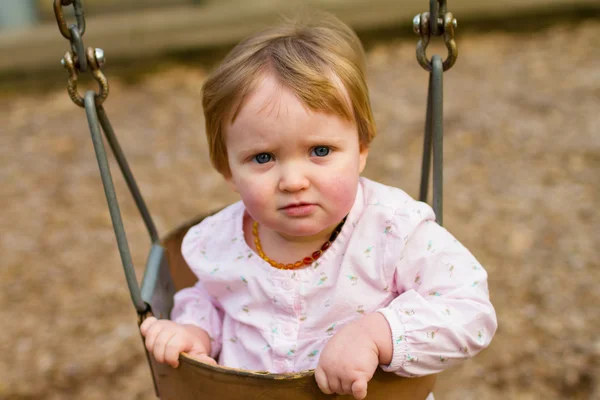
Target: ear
{"type": "Point", "coordinates": [230, 182]}
{"type": "Point", "coordinates": [364, 153]}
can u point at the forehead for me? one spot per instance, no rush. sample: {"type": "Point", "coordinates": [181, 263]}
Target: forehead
{"type": "Point", "coordinates": [269, 92]}
{"type": "Point", "coordinates": [273, 113]}
{"type": "Point", "coordinates": [264, 111]}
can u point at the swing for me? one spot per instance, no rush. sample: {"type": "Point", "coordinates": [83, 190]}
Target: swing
{"type": "Point", "coordinates": [166, 271]}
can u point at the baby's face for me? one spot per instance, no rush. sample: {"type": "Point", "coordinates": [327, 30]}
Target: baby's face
{"type": "Point", "coordinates": [296, 170]}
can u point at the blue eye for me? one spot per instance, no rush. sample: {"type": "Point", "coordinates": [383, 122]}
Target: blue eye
{"type": "Point", "coordinates": [262, 158]}
{"type": "Point", "coordinates": [321, 151]}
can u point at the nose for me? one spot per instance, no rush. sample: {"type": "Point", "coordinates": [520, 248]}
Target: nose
{"type": "Point", "coordinates": [293, 178]}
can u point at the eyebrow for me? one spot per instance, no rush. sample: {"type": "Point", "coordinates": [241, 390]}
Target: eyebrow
{"type": "Point", "coordinates": [323, 140]}
{"type": "Point", "coordinates": [255, 149]}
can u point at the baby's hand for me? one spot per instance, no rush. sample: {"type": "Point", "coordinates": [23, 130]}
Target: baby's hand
{"type": "Point", "coordinates": [166, 339]}
{"type": "Point", "coordinates": [348, 361]}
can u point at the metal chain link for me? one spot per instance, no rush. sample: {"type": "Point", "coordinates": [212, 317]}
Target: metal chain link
{"type": "Point", "coordinates": [60, 19]}
{"type": "Point", "coordinates": [78, 49]}
{"type": "Point", "coordinates": [436, 7]}
{"type": "Point", "coordinates": [80, 59]}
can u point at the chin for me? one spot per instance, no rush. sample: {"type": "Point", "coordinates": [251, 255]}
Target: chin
{"type": "Point", "coordinates": [304, 232]}
{"type": "Point", "coordinates": [303, 229]}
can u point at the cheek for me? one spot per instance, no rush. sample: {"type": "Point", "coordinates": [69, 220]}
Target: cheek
{"type": "Point", "coordinates": [254, 196]}
{"type": "Point", "coordinates": [340, 191]}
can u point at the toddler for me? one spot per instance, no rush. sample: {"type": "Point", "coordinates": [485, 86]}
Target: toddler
{"type": "Point", "coordinates": [316, 267]}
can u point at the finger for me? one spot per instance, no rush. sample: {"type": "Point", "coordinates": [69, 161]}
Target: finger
{"type": "Point", "coordinates": [160, 344]}
{"type": "Point", "coordinates": [322, 381]}
{"type": "Point", "coordinates": [359, 389]}
{"type": "Point", "coordinates": [172, 349]}
{"type": "Point", "coordinates": [346, 386]}
{"type": "Point", "coordinates": [151, 334]}
{"type": "Point", "coordinates": [147, 324]}
{"type": "Point", "coordinates": [205, 359]}
{"type": "Point", "coordinates": [335, 384]}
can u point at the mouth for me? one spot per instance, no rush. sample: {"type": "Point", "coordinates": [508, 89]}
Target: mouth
{"type": "Point", "coordinates": [299, 209]}
{"type": "Point", "coordinates": [294, 205]}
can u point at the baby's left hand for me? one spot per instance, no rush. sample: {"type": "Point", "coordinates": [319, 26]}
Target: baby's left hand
{"type": "Point", "coordinates": [348, 361]}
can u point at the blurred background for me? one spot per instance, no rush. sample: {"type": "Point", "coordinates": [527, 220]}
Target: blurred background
{"type": "Point", "coordinates": [522, 160]}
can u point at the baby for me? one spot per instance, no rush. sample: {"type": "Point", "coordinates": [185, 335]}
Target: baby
{"type": "Point", "coordinates": [316, 267]}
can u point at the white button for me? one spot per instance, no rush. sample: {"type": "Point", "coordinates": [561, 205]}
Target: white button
{"type": "Point", "coordinates": [288, 329]}
{"type": "Point", "coordinates": [280, 366]}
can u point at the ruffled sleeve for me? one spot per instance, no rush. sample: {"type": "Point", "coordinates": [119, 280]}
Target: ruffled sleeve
{"type": "Point", "coordinates": [443, 313]}
{"type": "Point", "coordinates": [194, 305]}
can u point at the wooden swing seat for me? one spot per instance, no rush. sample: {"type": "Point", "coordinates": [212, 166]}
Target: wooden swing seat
{"type": "Point", "coordinates": [166, 273]}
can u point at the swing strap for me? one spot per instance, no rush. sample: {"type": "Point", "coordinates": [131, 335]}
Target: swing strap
{"type": "Point", "coordinates": [95, 113]}
{"type": "Point", "coordinates": [75, 61]}
{"type": "Point", "coordinates": [436, 22]}
{"type": "Point", "coordinates": [433, 139]}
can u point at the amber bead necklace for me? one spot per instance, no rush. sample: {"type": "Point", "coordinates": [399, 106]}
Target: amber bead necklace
{"type": "Point", "coordinates": [306, 261]}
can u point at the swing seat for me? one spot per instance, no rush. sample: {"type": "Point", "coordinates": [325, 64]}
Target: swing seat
{"type": "Point", "coordinates": [166, 273]}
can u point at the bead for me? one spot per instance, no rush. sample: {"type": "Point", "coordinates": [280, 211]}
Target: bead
{"type": "Point", "coordinates": [297, 264]}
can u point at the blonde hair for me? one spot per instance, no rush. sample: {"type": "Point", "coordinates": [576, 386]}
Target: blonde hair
{"type": "Point", "coordinates": [310, 57]}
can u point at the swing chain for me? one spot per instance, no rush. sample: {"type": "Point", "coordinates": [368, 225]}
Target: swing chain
{"type": "Point", "coordinates": [443, 23]}
{"type": "Point", "coordinates": [436, 22]}
{"type": "Point", "coordinates": [79, 58]}
{"type": "Point", "coordinates": [62, 25]}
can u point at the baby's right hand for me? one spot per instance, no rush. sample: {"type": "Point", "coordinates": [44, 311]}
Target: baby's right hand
{"type": "Point", "coordinates": [165, 339]}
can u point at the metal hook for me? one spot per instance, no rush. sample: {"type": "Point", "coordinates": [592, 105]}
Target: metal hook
{"type": "Point", "coordinates": [421, 26]}
{"type": "Point", "coordinates": [99, 77]}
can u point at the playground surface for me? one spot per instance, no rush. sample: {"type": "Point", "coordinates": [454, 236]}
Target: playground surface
{"type": "Point", "coordinates": [522, 155]}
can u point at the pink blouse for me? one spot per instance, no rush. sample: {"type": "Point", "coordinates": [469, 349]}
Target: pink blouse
{"type": "Point", "coordinates": [390, 257]}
